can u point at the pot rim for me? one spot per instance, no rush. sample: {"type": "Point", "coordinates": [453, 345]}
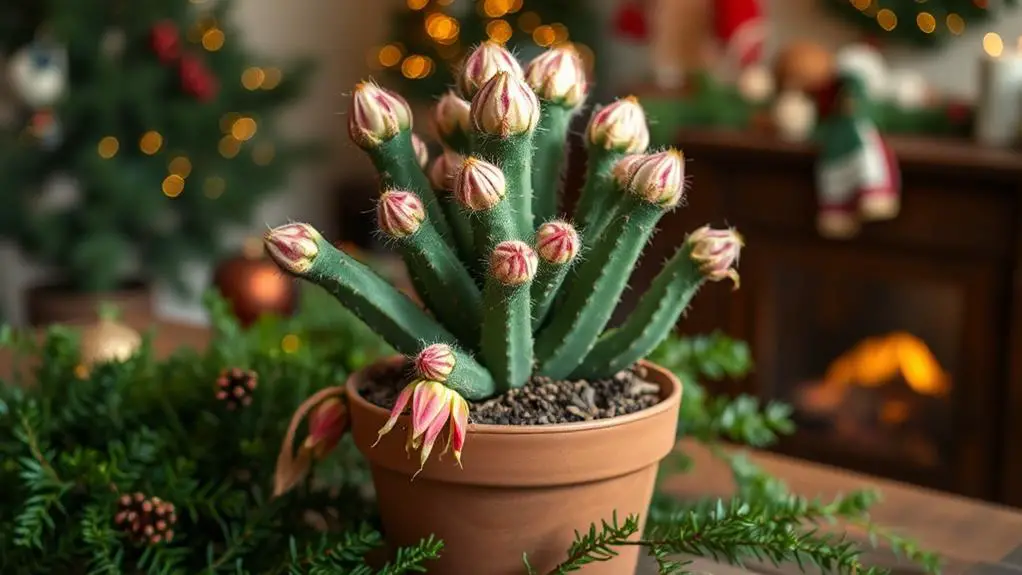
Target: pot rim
{"type": "Point", "coordinates": [666, 403]}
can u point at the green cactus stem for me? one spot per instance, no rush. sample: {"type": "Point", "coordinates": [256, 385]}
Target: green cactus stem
{"type": "Point", "coordinates": [549, 278]}
{"type": "Point", "coordinates": [399, 168]}
{"type": "Point", "coordinates": [548, 159]}
{"type": "Point", "coordinates": [593, 293]}
{"type": "Point", "coordinates": [507, 345]}
{"type": "Point", "coordinates": [388, 312]}
{"type": "Point", "coordinates": [557, 245]}
{"type": "Point", "coordinates": [597, 197]}
{"type": "Point", "coordinates": [513, 154]}
{"type": "Point", "coordinates": [442, 181]}
{"type": "Point", "coordinates": [438, 276]}
{"type": "Point", "coordinates": [651, 322]}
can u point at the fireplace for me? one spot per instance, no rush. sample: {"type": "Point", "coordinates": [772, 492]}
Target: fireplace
{"type": "Point", "coordinates": [900, 349]}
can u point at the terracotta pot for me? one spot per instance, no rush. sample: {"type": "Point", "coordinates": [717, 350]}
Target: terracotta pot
{"type": "Point", "coordinates": [59, 304]}
{"type": "Point", "coordinates": [523, 489]}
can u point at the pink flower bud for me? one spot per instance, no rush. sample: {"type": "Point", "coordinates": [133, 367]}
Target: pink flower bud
{"type": "Point", "coordinates": [376, 115]}
{"type": "Point", "coordinates": [513, 263]}
{"type": "Point", "coordinates": [399, 213]}
{"type": "Point", "coordinates": [433, 406]}
{"type": "Point", "coordinates": [624, 170]}
{"type": "Point", "coordinates": [505, 106]}
{"type": "Point", "coordinates": [619, 126]}
{"type": "Point", "coordinates": [435, 362]}
{"type": "Point", "coordinates": [327, 424]}
{"type": "Point", "coordinates": [484, 63]}
{"type": "Point", "coordinates": [421, 151]}
{"type": "Point", "coordinates": [444, 170]}
{"type": "Point", "coordinates": [450, 115]}
{"type": "Point", "coordinates": [558, 75]}
{"type": "Point", "coordinates": [716, 252]}
{"type": "Point", "coordinates": [660, 178]}
{"type": "Point", "coordinates": [293, 247]}
{"type": "Point", "coordinates": [479, 185]}
{"type": "Point", "coordinates": [557, 242]}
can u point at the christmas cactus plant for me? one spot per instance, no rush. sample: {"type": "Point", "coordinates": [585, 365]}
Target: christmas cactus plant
{"type": "Point", "coordinates": [513, 288]}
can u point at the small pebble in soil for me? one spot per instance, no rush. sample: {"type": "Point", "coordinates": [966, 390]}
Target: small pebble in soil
{"type": "Point", "coordinates": [541, 401]}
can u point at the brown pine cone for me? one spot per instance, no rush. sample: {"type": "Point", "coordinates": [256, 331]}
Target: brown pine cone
{"type": "Point", "coordinates": [146, 520]}
{"type": "Point", "coordinates": [235, 387]}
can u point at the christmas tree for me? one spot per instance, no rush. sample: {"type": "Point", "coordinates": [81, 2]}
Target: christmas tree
{"type": "Point", "coordinates": [928, 23]}
{"type": "Point", "coordinates": [140, 131]}
{"type": "Point", "coordinates": [432, 36]}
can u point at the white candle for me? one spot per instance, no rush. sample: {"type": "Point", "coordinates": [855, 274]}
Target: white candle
{"type": "Point", "coordinates": [999, 107]}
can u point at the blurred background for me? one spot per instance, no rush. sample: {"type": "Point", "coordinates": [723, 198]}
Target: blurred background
{"type": "Point", "coordinates": [144, 145]}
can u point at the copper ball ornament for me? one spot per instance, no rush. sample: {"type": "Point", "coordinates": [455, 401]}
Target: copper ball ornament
{"type": "Point", "coordinates": [254, 285]}
{"type": "Point", "coordinates": [107, 340]}
{"type": "Point", "coordinates": [804, 66]}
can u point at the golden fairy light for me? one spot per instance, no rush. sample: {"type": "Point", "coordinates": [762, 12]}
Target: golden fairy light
{"type": "Point", "coordinates": [993, 45]}
{"type": "Point", "coordinates": [213, 39]}
{"type": "Point", "coordinates": [214, 187]}
{"type": "Point", "coordinates": [272, 78]}
{"type": "Point", "coordinates": [496, 8]}
{"type": "Point", "coordinates": [180, 166]}
{"type": "Point", "coordinates": [417, 4]}
{"type": "Point", "coordinates": [861, 5]}
{"type": "Point", "coordinates": [107, 147]}
{"type": "Point", "coordinates": [516, 5]}
{"type": "Point", "coordinates": [560, 33]}
{"type": "Point", "coordinates": [173, 185]}
{"type": "Point", "coordinates": [543, 35]}
{"type": "Point", "coordinates": [499, 30]}
{"type": "Point", "coordinates": [416, 66]}
{"type": "Point", "coordinates": [229, 146]}
{"type": "Point", "coordinates": [263, 153]}
{"type": "Point", "coordinates": [887, 19]}
{"type": "Point", "coordinates": [529, 21]}
{"type": "Point", "coordinates": [290, 343]}
{"type": "Point", "coordinates": [955, 24]}
{"type": "Point", "coordinates": [151, 142]}
{"type": "Point", "coordinates": [228, 120]}
{"type": "Point", "coordinates": [442, 28]}
{"type": "Point", "coordinates": [252, 78]}
{"type": "Point", "coordinates": [243, 129]}
{"type": "Point", "coordinates": [926, 22]}
{"type": "Point", "coordinates": [389, 56]}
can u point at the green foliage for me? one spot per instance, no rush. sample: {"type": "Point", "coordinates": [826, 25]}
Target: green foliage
{"type": "Point", "coordinates": [121, 214]}
{"type": "Point", "coordinates": [908, 27]}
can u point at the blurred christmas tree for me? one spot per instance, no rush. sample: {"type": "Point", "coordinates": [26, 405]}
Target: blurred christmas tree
{"type": "Point", "coordinates": [431, 36]}
{"type": "Point", "coordinates": [928, 22]}
{"type": "Point", "coordinates": [139, 132]}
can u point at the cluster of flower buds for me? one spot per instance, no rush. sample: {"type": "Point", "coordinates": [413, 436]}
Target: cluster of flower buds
{"type": "Point", "coordinates": [717, 252]}
{"type": "Point", "coordinates": [513, 263]}
{"type": "Point", "coordinates": [235, 387]}
{"type": "Point", "coordinates": [505, 106]}
{"type": "Point", "coordinates": [146, 520]}
{"type": "Point", "coordinates": [485, 62]}
{"type": "Point", "coordinates": [451, 116]}
{"type": "Point", "coordinates": [479, 185]}
{"type": "Point", "coordinates": [619, 126]}
{"type": "Point", "coordinates": [434, 406]}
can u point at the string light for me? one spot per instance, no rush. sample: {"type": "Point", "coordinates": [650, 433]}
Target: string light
{"type": "Point", "coordinates": [861, 5]}
{"type": "Point", "coordinates": [263, 153]}
{"type": "Point", "coordinates": [229, 146]}
{"type": "Point", "coordinates": [180, 166]}
{"type": "Point", "coordinates": [271, 78]}
{"type": "Point", "coordinates": [499, 30]}
{"type": "Point", "coordinates": [389, 56]}
{"type": "Point", "coordinates": [560, 33]}
{"type": "Point", "coordinates": [243, 129]}
{"type": "Point", "coordinates": [543, 35]}
{"type": "Point", "coordinates": [150, 143]}
{"type": "Point", "coordinates": [496, 8]}
{"type": "Point", "coordinates": [173, 185]}
{"type": "Point", "coordinates": [992, 44]}
{"type": "Point", "coordinates": [926, 22]}
{"type": "Point", "coordinates": [214, 187]}
{"type": "Point", "coordinates": [887, 19]}
{"type": "Point", "coordinates": [252, 78]}
{"type": "Point", "coordinates": [227, 121]}
{"type": "Point", "coordinates": [416, 66]}
{"type": "Point", "coordinates": [107, 147]}
{"type": "Point", "coordinates": [417, 4]}
{"type": "Point", "coordinates": [213, 39]}
{"type": "Point", "coordinates": [955, 24]}
{"type": "Point", "coordinates": [442, 28]}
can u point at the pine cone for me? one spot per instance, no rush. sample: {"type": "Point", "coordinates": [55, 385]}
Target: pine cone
{"type": "Point", "coordinates": [146, 520]}
{"type": "Point", "coordinates": [235, 386]}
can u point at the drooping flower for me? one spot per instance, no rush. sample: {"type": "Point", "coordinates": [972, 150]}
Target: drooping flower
{"type": "Point", "coordinates": [558, 75]}
{"type": "Point", "coordinates": [513, 263]}
{"type": "Point", "coordinates": [376, 115]}
{"type": "Point", "coordinates": [505, 106]}
{"type": "Point", "coordinates": [435, 362]}
{"type": "Point", "coordinates": [479, 185]}
{"type": "Point", "coordinates": [399, 213]}
{"type": "Point", "coordinates": [660, 178]}
{"type": "Point", "coordinates": [717, 252]}
{"type": "Point", "coordinates": [327, 424]}
{"type": "Point", "coordinates": [619, 126]}
{"type": "Point", "coordinates": [293, 247]}
{"type": "Point", "coordinates": [444, 170]}
{"type": "Point", "coordinates": [451, 115]}
{"type": "Point", "coordinates": [488, 59]}
{"type": "Point", "coordinates": [434, 406]}
{"type": "Point", "coordinates": [557, 242]}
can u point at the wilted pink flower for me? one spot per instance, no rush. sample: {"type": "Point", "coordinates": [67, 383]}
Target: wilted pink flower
{"type": "Point", "coordinates": [660, 178]}
{"type": "Point", "coordinates": [620, 126]}
{"type": "Point", "coordinates": [444, 170]}
{"type": "Point", "coordinates": [433, 406]}
{"type": "Point", "coordinates": [293, 246]}
{"type": "Point", "coordinates": [479, 185]}
{"type": "Point", "coordinates": [505, 106]}
{"type": "Point", "coordinates": [557, 242]}
{"type": "Point", "coordinates": [488, 59]}
{"type": "Point", "coordinates": [376, 115]}
{"type": "Point", "coordinates": [435, 362]}
{"type": "Point", "coordinates": [513, 263]}
{"type": "Point", "coordinates": [716, 252]}
{"type": "Point", "coordinates": [327, 424]}
{"type": "Point", "coordinates": [399, 213]}
{"type": "Point", "coordinates": [558, 75]}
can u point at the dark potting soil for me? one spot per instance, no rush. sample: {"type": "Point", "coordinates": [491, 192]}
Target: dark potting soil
{"type": "Point", "coordinates": [541, 401]}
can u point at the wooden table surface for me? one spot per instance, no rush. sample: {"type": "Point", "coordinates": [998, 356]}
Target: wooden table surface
{"type": "Point", "coordinates": [973, 537]}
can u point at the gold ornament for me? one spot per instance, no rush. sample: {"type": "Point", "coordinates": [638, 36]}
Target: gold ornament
{"type": "Point", "coordinates": [108, 340]}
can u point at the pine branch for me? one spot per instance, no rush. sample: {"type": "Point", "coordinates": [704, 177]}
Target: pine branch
{"type": "Point", "coordinates": [348, 555]}
{"type": "Point", "coordinates": [46, 488]}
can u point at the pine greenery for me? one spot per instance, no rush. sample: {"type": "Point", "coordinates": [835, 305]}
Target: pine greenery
{"type": "Point", "coordinates": [71, 444]}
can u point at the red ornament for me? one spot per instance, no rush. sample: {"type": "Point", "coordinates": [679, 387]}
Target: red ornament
{"type": "Point", "coordinates": [630, 21]}
{"type": "Point", "coordinates": [166, 41]}
{"type": "Point", "coordinates": [741, 29]}
{"type": "Point", "coordinates": [196, 79]}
